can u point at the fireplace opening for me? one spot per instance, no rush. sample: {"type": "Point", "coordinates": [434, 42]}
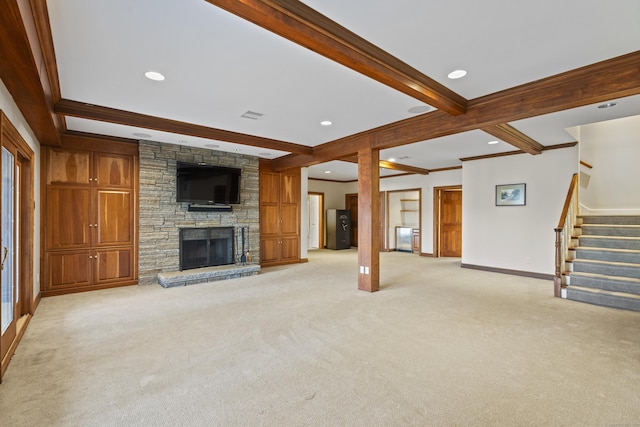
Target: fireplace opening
{"type": "Point", "coordinates": [206, 247]}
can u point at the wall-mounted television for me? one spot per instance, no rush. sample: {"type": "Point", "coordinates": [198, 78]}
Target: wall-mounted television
{"type": "Point", "coordinates": [203, 184]}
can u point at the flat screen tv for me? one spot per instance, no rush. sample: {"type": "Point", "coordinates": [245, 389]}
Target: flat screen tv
{"type": "Point", "coordinates": [207, 185]}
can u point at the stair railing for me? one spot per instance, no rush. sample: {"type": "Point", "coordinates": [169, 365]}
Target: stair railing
{"type": "Point", "coordinates": [564, 233]}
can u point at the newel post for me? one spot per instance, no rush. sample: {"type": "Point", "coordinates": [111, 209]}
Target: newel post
{"type": "Point", "coordinates": [557, 279]}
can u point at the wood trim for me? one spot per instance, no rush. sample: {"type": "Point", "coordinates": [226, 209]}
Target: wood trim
{"type": "Point", "coordinates": [306, 27]}
{"type": "Point", "coordinates": [450, 168]}
{"type": "Point", "coordinates": [512, 153]}
{"type": "Point", "coordinates": [104, 144]}
{"type": "Point", "coordinates": [321, 225]}
{"type": "Point", "coordinates": [20, 73]}
{"type": "Point", "coordinates": [112, 115]}
{"type": "Point", "coordinates": [400, 167]}
{"type": "Point", "coordinates": [42, 24]}
{"type": "Point", "coordinates": [508, 271]}
{"type": "Point", "coordinates": [513, 136]}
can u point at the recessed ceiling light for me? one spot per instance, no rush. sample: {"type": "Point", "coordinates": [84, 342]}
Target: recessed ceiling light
{"type": "Point", "coordinates": [211, 146]}
{"type": "Point", "coordinates": [327, 171]}
{"type": "Point", "coordinates": [141, 135]}
{"type": "Point", "coordinates": [326, 123]}
{"type": "Point", "coordinates": [457, 74]}
{"type": "Point", "coordinates": [392, 159]}
{"type": "Point", "coordinates": [264, 154]}
{"type": "Point", "coordinates": [607, 105]}
{"type": "Point", "coordinates": [493, 142]}
{"type": "Point", "coordinates": [154, 75]}
{"type": "Point", "coordinates": [419, 109]}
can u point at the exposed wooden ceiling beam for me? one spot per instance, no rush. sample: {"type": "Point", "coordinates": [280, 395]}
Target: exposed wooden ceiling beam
{"type": "Point", "coordinates": [306, 27]}
{"type": "Point", "coordinates": [112, 115]}
{"type": "Point", "coordinates": [390, 165]}
{"type": "Point", "coordinates": [513, 136]}
{"type": "Point", "coordinates": [611, 79]}
{"type": "Point", "coordinates": [20, 74]}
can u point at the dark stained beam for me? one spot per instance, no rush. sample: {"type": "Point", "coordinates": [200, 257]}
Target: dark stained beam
{"type": "Point", "coordinates": [404, 168]}
{"type": "Point", "coordinates": [368, 220]}
{"type": "Point", "coordinates": [20, 74]}
{"type": "Point", "coordinates": [306, 27]}
{"type": "Point", "coordinates": [611, 79]}
{"type": "Point", "coordinates": [112, 115]}
{"type": "Point", "coordinates": [511, 135]}
{"type": "Point", "coordinates": [390, 165]}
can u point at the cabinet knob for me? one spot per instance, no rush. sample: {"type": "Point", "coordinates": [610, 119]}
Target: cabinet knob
{"type": "Point", "coordinates": [90, 225]}
{"type": "Point", "coordinates": [90, 257]}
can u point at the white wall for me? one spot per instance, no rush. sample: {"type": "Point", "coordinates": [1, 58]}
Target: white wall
{"type": "Point", "coordinates": [613, 149]}
{"type": "Point", "coordinates": [515, 237]}
{"type": "Point", "coordinates": [10, 109]}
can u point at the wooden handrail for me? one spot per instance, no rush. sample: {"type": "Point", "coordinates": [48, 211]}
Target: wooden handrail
{"type": "Point", "coordinates": [586, 164]}
{"type": "Point", "coordinates": [567, 201]}
{"type": "Point", "coordinates": [564, 233]}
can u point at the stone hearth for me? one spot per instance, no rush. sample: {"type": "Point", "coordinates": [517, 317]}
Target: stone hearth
{"type": "Point", "coordinates": [206, 275]}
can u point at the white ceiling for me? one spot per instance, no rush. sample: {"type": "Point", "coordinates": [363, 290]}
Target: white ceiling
{"type": "Point", "coordinates": [218, 66]}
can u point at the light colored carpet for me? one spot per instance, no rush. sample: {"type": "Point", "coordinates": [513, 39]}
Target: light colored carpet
{"type": "Point", "coordinates": [301, 346]}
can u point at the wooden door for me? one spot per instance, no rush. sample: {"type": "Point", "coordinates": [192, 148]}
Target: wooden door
{"type": "Point", "coordinates": [451, 223]}
{"type": "Point", "coordinates": [351, 204]}
{"type": "Point", "coordinates": [114, 223]}
{"type": "Point", "coordinates": [68, 217]}
{"type": "Point", "coordinates": [68, 167]}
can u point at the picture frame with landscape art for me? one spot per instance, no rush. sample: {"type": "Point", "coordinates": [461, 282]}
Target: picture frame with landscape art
{"type": "Point", "coordinates": [511, 195]}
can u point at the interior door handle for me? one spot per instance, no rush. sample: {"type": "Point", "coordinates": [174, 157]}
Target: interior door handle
{"type": "Point", "coordinates": [4, 257]}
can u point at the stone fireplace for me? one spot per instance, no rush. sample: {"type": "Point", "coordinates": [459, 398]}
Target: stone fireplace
{"type": "Point", "coordinates": [161, 220]}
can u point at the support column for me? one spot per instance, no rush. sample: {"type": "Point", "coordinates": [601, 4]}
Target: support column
{"type": "Point", "coordinates": [368, 220]}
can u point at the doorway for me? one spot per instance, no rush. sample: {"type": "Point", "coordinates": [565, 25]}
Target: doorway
{"type": "Point", "coordinates": [315, 239]}
{"type": "Point", "coordinates": [447, 222]}
{"type": "Point", "coordinates": [16, 233]}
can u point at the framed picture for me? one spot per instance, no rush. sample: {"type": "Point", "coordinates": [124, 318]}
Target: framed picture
{"type": "Point", "coordinates": [511, 195]}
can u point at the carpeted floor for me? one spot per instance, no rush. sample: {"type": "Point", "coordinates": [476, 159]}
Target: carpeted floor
{"type": "Point", "coordinates": [301, 346]}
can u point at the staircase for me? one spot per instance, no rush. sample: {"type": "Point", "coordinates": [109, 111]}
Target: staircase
{"type": "Point", "coordinates": [605, 269]}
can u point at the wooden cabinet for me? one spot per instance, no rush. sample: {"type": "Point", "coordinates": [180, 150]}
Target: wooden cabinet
{"type": "Point", "coordinates": [279, 217]}
{"type": "Point", "coordinates": [89, 217]}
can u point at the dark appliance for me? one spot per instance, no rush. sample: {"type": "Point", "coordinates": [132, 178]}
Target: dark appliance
{"type": "Point", "coordinates": [338, 229]}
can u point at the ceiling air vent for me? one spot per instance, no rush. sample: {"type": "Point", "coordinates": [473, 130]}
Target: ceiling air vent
{"type": "Point", "coordinates": [252, 115]}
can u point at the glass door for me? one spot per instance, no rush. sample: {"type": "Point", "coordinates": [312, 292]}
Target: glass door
{"type": "Point", "coordinates": [7, 254]}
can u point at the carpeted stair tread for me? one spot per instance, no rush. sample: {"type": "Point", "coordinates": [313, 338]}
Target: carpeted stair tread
{"type": "Point", "coordinates": [600, 281]}
{"type": "Point", "coordinates": [597, 261]}
{"type": "Point", "coordinates": [604, 298]}
{"type": "Point", "coordinates": [604, 276]}
{"type": "Point", "coordinates": [607, 254]}
{"type": "Point", "coordinates": [624, 230]}
{"type": "Point", "coordinates": [610, 219]}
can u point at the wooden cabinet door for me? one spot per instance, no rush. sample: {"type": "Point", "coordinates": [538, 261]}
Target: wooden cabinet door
{"type": "Point", "coordinates": [290, 249]}
{"type": "Point", "coordinates": [269, 220]}
{"type": "Point", "coordinates": [269, 187]}
{"type": "Point", "coordinates": [114, 223]}
{"type": "Point", "coordinates": [68, 167]}
{"type": "Point", "coordinates": [289, 188]}
{"type": "Point", "coordinates": [114, 264]}
{"type": "Point", "coordinates": [112, 170]}
{"type": "Point", "coordinates": [269, 250]}
{"type": "Point", "coordinates": [68, 216]}
{"type": "Point", "coordinates": [68, 269]}
{"type": "Point", "coordinates": [289, 220]}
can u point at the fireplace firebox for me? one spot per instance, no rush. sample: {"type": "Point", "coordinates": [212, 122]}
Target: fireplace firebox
{"type": "Point", "coordinates": [206, 247]}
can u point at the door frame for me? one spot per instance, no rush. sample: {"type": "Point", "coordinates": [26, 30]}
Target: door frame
{"type": "Point", "coordinates": [321, 230]}
{"type": "Point", "coordinates": [437, 197]}
{"type": "Point", "coordinates": [11, 138]}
